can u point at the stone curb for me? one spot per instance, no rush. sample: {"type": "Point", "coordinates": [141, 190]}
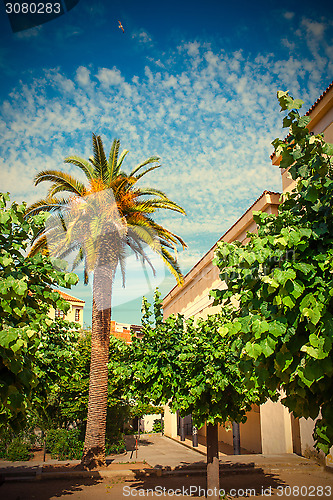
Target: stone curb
{"type": "Point", "coordinates": [152, 472]}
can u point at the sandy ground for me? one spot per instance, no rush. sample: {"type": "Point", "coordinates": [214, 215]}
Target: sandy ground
{"type": "Point", "coordinates": [257, 485]}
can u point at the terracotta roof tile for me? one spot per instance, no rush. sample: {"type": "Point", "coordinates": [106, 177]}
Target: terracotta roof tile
{"type": "Point", "coordinates": [319, 99]}
{"type": "Point", "coordinates": [69, 298]}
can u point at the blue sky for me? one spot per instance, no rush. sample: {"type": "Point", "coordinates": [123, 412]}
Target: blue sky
{"type": "Point", "coordinates": [192, 82]}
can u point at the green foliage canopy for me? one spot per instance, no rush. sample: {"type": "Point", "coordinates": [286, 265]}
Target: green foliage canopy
{"type": "Point", "coordinates": [192, 366]}
{"type": "Point", "coordinates": [26, 294]}
{"type": "Point", "coordinates": [283, 282]}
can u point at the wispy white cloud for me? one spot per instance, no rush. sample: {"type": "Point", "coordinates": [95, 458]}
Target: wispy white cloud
{"type": "Point", "coordinates": [83, 76]}
{"type": "Point", "coordinates": [30, 33]}
{"type": "Point", "coordinates": [209, 114]}
{"type": "Point", "coordinates": [288, 15]}
{"type": "Point", "coordinates": [142, 37]}
{"type": "Point", "coordinates": [110, 77]}
{"type": "Point", "coordinates": [314, 28]}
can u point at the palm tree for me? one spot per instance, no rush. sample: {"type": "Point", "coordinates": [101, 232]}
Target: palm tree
{"type": "Point", "coordinates": [99, 221]}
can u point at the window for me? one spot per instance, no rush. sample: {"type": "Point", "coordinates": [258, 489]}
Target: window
{"type": "Point", "coordinates": [77, 314]}
{"type": "Point", "coordinates": [59, 314]}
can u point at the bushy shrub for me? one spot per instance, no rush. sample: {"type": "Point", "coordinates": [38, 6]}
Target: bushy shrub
{"type": "Point", "coordinates": [64, 444]}
{"type": "Point", "coordinates": [158, 425]}
{"type": "Point", "coordinates": [115, 447]}
{"type": "Point", "coordinates": [18, 450]}
{"type": "Point", "coordinates": [6, 437]}
{"type": "Point", "coordinates": [16, 446]}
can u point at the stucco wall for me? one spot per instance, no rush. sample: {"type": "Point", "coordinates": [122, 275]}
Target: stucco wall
{"type": "Point", "coordinates": [70, 316]}
{"type": "Point", "coordinates": [148, 421]}
{"type": "Point", "coordinates": [306, 426]}
{"type": "Point", "coordinates": [250, 432]}
{"type": "Point", "coordinates": [170, 423]}
{"type": "Point", "coordinates": [276, 433]}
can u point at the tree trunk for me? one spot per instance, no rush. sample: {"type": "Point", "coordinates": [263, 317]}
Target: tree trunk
{"type": "Point", "coordinates": [94, 445]}
{"type": "Point", "coordinates": [213, 472]}
{"type": "Point", "coordinates": [236, 438]}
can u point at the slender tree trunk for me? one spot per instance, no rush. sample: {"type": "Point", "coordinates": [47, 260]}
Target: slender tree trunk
{"type": "Point", "coordinates": [213, 472]}
{"type": "Point", "coordinates": [94, 445]}
{"type": "Point", "coordinates": [236, 438]}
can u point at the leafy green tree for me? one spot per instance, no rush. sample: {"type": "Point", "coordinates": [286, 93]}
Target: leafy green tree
{"type": "Point", "coordinates": [57, 364]}
{"type": "Point", "coordinates": [63, 363]}
{"type": "Point", "coordinates": [283, 281]}
{"type": "Point", "coordinates": [108, 214]}
{"type": "Point", "coordinates": [26, 295]}
{"type": "Point", "coordinates": [194, 368]}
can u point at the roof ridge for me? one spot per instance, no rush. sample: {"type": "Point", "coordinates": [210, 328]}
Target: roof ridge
{"type": "Point", "coordinates": [66, 296]}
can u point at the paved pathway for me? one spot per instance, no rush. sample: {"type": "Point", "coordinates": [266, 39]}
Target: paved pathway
{"type": "Point", "coordinates": [276, 476]}
{"type": "Point", "coordinates": [164, 453]}
{"type": "Point", "coordinates": [160, 451]}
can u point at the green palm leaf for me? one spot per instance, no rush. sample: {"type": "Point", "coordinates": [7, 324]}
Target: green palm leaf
{"type": "Point", "coordinates": [69, 183]}
{"type": "Point", "coordinates": [113, 159]}
{"type": "Point", "coordinates": [152, 159]}
{"type": "Point", "coordinates": [84, 165]}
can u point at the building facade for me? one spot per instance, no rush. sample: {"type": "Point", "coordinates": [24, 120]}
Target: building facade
{"type": "Point", "coordinates": [125, 331]}
{"type": "Point", "coordinates": [290, 435]}
{"type": "Point", "coordinates": [75, 312]}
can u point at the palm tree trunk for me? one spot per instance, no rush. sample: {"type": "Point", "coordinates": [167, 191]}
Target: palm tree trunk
{"type": "Point", "coordinates": [94, 445]}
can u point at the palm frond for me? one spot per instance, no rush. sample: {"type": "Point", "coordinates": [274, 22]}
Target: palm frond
{"type": "Point", "coordinates": [38, 246]}
{"type": "Point", "coordinates": [85, 276]}
{"type": "Point", "coordinates": [83, 164]}
{"type": "Point", "coordinates": [167, 235]}
{"type": "Point", "coordinates": [173, 265]}
{"type": "Point", "coordinates": [150, 191]}
{"type": "Point", "coordinates": [144, 233]}
{"type": "Point", "coordinates": [135, 244]}
{"type": "Point", "coordinates": [152, 159]}
{"type": "Point", "coordinates": [125, 185]}
{"type": "Point", "coordinates": [78, 259]}
{"type": "Point", "coordinates": [159, 203]}
{"type": "Point", "coordinates": [68, 182]}
{"type": "Point", "coordinates": [121, 158]}
{"type": "Point", "coordinates": [146, 171]}
{"type": "Point", "coordinates": [121, 261]}
{"type": "Point", "coordinates": [45, 205]}
{"type": "Point", "coordinates": [99, 153]}
{"type": "Point", "coordinates": [113, 159]}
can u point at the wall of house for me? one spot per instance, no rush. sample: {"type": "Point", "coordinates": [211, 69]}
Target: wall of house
{"type": "Point", "coordinates": [250, 432]}
{"type": "Point", "coordinates": [148, 421]}
{"type": "Point", "coordinates": [170, 423]}
{"type": "Point", "coordinates": [121, 331]}
{"type": "Point", "coordinates": [276, 430]}
{"type": "Point", "coordinates": [306, 429]}
{"type": "Point", "coordinates": [70, 316]}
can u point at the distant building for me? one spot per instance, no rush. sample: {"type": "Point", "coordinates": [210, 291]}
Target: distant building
{"type": "Point", "coordinates": [124, 331]}
{"type": "Point", "coordinates": [75, 313]}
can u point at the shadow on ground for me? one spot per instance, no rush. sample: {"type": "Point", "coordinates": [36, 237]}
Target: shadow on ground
{"type": "Point", "coordinates": [44, 490]}
{"type": "Point", "coordinates": [130, 442]}
{"type": "Point", "coordinates": [235, 484]}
